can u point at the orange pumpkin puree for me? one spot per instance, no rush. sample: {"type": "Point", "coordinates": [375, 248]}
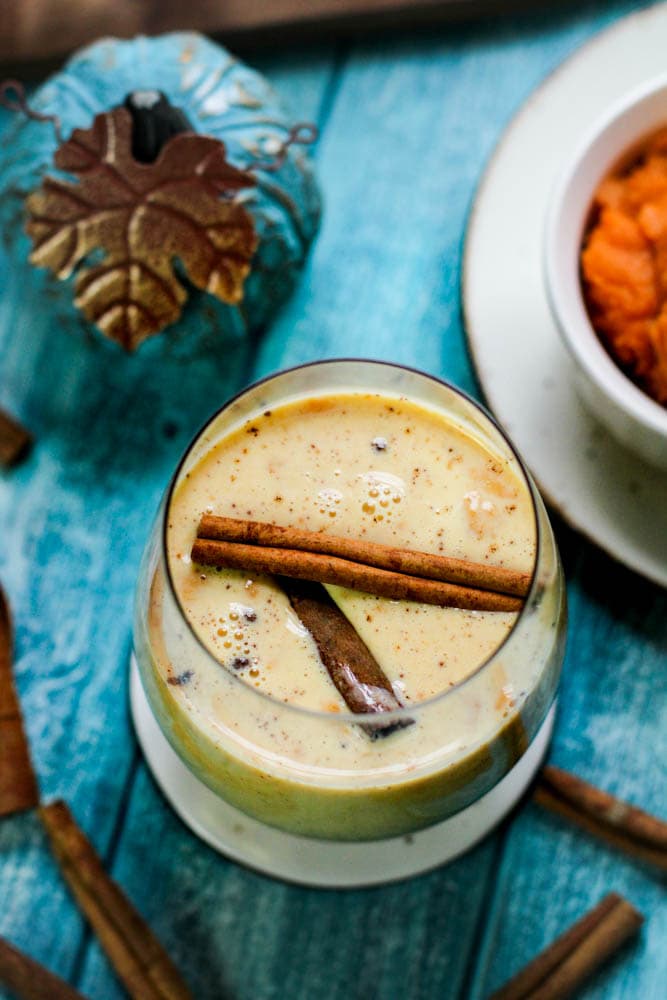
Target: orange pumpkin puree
{"type": "Point", "coordinates": [624, 267]}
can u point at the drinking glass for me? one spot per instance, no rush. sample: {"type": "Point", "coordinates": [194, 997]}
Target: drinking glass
{"type": "Point", "coordinates": [274, 761]}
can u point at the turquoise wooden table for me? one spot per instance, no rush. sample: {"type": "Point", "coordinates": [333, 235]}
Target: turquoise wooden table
{"type": "Point", "coordinates": [407, 124]}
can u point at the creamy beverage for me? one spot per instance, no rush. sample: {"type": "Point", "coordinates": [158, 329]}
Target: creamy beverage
{"type": "Point", "coordinates": [242, 686]}
{"type": "Point", "coordinates": [359, 465]}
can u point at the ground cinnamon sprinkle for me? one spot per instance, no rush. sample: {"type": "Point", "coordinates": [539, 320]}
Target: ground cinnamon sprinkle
{"type": "Point", "coordinates": [624, 266]}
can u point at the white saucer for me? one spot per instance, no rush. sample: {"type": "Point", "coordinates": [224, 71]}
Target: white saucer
{"type": "Point", "coordinates": [600, 489]}
{"type": "Point", "coordinates": [322, 863]}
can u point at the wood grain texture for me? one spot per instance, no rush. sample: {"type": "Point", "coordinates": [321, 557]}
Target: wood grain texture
{"type": "Point", "coordinates": [219, 918]}
{"type": "Point", "coordinates": [611, 730]}
{"type": "Point", "coordinates": [407, 127]}
{"type": "Point", "coordinates": [110, 434]}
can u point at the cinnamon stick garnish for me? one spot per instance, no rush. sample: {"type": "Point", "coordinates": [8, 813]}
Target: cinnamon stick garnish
{"type": "Point", "coordinates": [424, 564]}
{"type": "Point", "coordinates": [318, 568]}
{"type": "Point", "coordinates": [139, 959]}
{"type": "Point", "coordinates": [565, 965]}
{"type": "Point", "coordinates": [29, 980]}
{"type": "Point", "coordinates": [617, 822]}
{"type": "Point", "coordinates": [349, 662]}
{"type": "Point", "coordinates": [18, 785]}
{"type": "Point", "coordinates": [15, 440]}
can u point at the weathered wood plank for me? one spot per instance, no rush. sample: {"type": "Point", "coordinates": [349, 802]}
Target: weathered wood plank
{"type": "Point", "coordinates": [238, 935]}
{"type": "Point", "coordinates": [410, 128]}
{"type": "Point", "coordinates": [410, 132]}
{"type": "Point", "coordinates": [612, 730]}
{"type": "Point", "coordinates": [73, 521]}
{"type": "Point", "coordinates": [382, 280]}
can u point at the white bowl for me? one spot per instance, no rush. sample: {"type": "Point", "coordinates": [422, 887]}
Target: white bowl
{"type": "Point", "coordinates": [630, 414]}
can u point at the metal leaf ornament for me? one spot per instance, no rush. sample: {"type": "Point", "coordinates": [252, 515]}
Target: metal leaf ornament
{"type": "Point", "coordinates": [142, 217]}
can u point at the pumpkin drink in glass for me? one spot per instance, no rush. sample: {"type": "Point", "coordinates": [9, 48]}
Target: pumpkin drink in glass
{"type": "Point", "coordinates": [363, 644]}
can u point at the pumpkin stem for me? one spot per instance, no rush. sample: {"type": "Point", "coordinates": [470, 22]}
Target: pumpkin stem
{"type": "Point", "coordinates": [155, 120]}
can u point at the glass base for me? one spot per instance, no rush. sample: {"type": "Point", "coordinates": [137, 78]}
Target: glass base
{"type": "Point", "coordinates": [323, 863]}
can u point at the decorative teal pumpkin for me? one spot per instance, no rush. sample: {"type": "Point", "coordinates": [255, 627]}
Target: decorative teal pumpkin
{"type": "Point", "coordinates": [221, 98]}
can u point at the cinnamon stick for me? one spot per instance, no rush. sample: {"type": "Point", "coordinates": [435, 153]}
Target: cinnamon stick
{"type": "Point", "coordinates": [15, 440]}
{"type": "Point", "coordinates": [414, 563]}
{"type": "Point", "coordinates": [319, 568]}
{"type": "Point", "coordinates": [29, 980]}
{"type": "Point", "coordinates": [618, 823]}
{"type": "Point", "coordinates": [352, 667]}
{"type": "Point", "coordinates": [560, 969]}
{"type": "Point", "coordinates": [139, 959]}
{"type": "Point", "coordinates": [18, 784]}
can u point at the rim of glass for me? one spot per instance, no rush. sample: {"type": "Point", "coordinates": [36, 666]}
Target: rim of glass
{"type": "Point", "coordinates": [379, 719]}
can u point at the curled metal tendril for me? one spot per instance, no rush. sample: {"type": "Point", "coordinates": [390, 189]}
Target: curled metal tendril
{"type": "Point", "coordinates": [14, 98]}
{"type": "Point", "coordinates": [302, 134]}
